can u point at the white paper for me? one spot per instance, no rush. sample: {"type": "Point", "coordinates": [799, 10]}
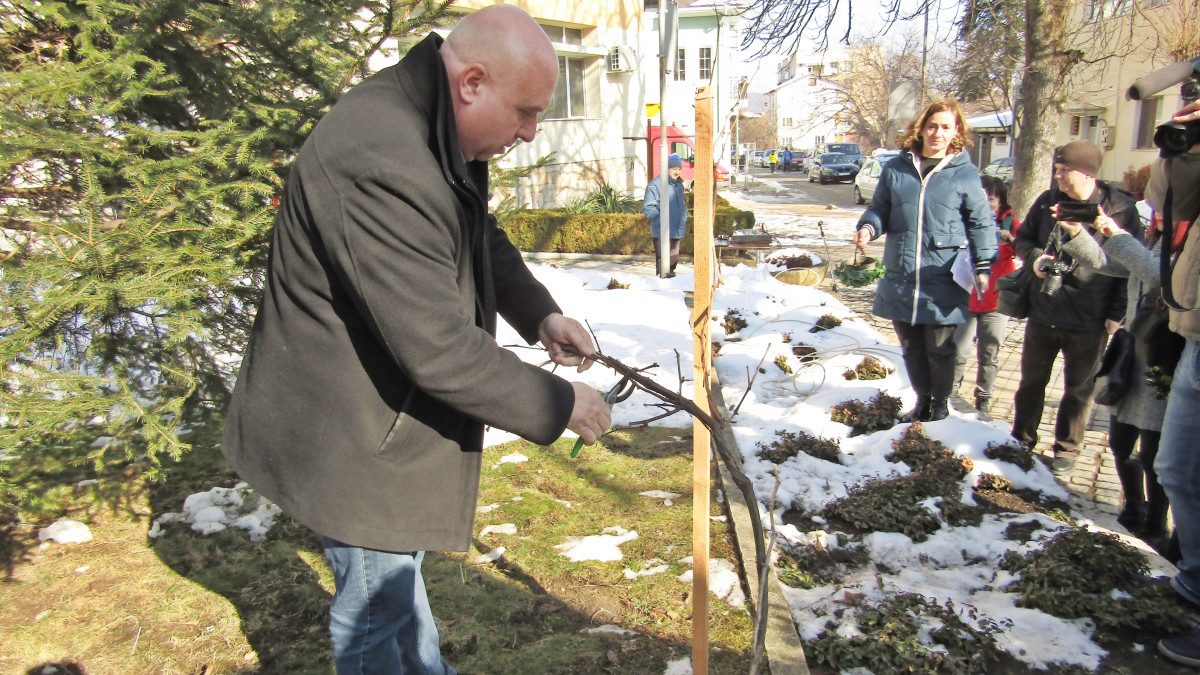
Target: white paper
{"type": "Point", "coordinates": [964, 270]}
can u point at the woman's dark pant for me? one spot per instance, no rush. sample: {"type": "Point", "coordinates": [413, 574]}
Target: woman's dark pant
{"type": "Point", "coordinates": [929, 354]}
{"type": "Point", "coordinates": [1121, 440]}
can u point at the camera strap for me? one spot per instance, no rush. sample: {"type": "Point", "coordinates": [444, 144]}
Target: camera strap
{"type": "Point", "coordinates": [1168, 239]}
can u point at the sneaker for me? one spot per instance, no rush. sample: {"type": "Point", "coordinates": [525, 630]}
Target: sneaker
{"type": "Point", "coordinates": [1062, 463]}
{"type": "Point", "coordinates": [1183, 648]}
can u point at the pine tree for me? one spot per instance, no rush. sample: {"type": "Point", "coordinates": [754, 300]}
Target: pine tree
{"type": "Point", "coordinates": [143, 144]}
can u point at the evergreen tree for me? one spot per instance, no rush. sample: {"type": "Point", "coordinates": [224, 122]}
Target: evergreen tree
{"type": "Point", "coordinates": [143, 144]}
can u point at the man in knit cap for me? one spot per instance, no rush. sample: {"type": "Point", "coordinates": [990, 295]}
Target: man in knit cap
{"type": "Point", "coordinates": [678, 213]}
{"type": "Point", "coordinates": [1077, 318]}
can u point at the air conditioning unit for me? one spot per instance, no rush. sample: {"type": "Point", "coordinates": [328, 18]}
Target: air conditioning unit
{"type": "Point", "coordinates": [620, 60]}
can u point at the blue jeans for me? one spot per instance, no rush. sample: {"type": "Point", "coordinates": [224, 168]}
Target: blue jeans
{"type": "Point", "coordinates": [1178, 467]}
{"type": "Point", "coordinates": [380, 618]}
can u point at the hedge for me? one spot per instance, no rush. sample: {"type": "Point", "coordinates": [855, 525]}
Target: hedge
{"type": "Point", "coordinates": [556, 231]}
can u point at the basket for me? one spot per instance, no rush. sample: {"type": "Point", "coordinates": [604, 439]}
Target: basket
{"type": "Point", "coordinates": [859, 272]}
{"type": "Point", "coordinates": [802, 276]}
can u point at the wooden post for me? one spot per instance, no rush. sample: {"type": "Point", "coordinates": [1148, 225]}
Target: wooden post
{"type": "Point", "coordinates": [705, 187]}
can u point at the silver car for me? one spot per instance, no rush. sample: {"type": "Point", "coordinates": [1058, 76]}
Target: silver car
{"type": "Point", "coordinates": [868, 176]}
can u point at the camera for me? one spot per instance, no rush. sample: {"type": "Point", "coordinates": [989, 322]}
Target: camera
{"type": "Point", "coordinates": [1075, 211]}
{"type": "Point", "coordinates": [1175, 138]}
{"type": "Point", "coordinates": [1054, 270]}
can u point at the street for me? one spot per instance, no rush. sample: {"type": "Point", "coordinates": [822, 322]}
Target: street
{"type": "Point", "coordinates": [797, 189]}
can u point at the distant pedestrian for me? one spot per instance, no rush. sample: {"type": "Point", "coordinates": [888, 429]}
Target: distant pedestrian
{"type": "Point", "coordinates": [678, 215]}
{"type": "Point", "coordinates": [773, 160]}
{"type": "Point", "coordinates": [787, 160]}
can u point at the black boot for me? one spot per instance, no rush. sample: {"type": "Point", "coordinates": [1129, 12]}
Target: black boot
{"type": "Point", "coordinates": [939, 409]}
{"type": "Point", "coordinates": [919, 413]}
{"type": "Point", "coordinates": [1133, 516]}
{"type": "Point", "coordinates": [982, 403]}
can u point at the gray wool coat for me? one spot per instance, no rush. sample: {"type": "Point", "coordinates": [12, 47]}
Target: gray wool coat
{"type": "Point", "coordinates": [1123, 255]}
{"type": "Point", "coordinates": [927, 221]}
{"type": "Point", "coordinates": [372, 366]}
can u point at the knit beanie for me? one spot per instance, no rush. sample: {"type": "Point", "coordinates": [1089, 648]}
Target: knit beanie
{"type": "Point", "coordinates": [1081, 155]}
{"type": "Point", "coordinates": [674, 162]}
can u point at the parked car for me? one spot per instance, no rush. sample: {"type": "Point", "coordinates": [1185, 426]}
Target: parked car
{"type": "Point", "coordinates": [831, 166]}
{"type": "Point", "coordinates": [868, 175]}
{"type": "Point", "coordinates": [799, 160]}
{"type": "Point", "coordinates": [850, 150]}
{"type": "Point", "coordinates": [762, 159]}
{"type": "Point", "coordinates": [1001, 168]}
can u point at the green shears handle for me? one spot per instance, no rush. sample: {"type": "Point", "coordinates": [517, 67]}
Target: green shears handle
{"type": "Point", "coordinates": [578, 446]}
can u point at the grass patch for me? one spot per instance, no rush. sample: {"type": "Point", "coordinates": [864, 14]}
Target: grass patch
{"type": "Point", "coordinates": [186, 603]}
{"type": "Point", "coordinates": [876, 415]}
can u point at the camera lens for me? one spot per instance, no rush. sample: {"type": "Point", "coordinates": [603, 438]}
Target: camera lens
{"type": "Point", "coordinates": [1051, 284]}
{"type": "Point", "coordinates": [1174, 138]}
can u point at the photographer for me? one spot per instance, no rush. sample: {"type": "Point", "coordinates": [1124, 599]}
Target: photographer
{"type": "Point", "coordinates": [1178, 462]}
{"type": "Point", "coordinates": [1072, 309]}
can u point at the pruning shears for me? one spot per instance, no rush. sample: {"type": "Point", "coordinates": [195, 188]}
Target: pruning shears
{"type": "Point", "coordinates": [620, 391]}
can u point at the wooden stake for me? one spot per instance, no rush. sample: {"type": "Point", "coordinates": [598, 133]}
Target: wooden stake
{"type": "Point", "coordinates": [705, 187]}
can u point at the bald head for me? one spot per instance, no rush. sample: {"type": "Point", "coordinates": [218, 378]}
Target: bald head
{"type": "Point", "coordinates": [502, 72]}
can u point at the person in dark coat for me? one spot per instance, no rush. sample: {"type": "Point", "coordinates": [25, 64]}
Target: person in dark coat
{"type": "Point", "coordinates": [651, 207]}
{"type": "Point", "coordinates": [372, 365]}
{"type": "Point", "coordinates": [1075, 320]}
{"type": "Point", "coordinates": [930, 204]}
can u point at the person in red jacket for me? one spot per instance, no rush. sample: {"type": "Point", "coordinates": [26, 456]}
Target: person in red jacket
{"type": "Point", "coordinates": [985, 327]}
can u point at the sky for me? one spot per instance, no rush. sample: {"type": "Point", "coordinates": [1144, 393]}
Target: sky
{"type": "Point", "coordinates": [647, 322]}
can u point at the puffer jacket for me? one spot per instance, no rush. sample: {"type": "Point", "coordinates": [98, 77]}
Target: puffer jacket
{"type": "Point", "coordinates": [926, 222]}
{"type": "Point", "coordinates": [1004, 265]}
{"type": "Point", "coordinates": [678, 207]}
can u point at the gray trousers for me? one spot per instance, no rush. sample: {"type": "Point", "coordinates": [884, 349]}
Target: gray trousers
{"type": "Point", "coordinates": [983, 333]}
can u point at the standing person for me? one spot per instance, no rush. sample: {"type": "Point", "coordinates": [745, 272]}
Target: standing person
{"type": "Point", "coordinates": [787, 159]}
{"type": "Point", "coordinates": [773, 160]}
{"type": "Point", "coordinates": [1178, 462]}
{"type": "Point", "coordinates": [678, 213]}
{"type": "Point", "coordinates": [1136, 419]}
{"type": "Point", "coordinates": [985, 328]}
{"type": "Point", "coordinates": [1074, 311]}
{"type": "Point", "coordinates": [372, 365]}
{"type": "Point", "coordinates": [929, 203]}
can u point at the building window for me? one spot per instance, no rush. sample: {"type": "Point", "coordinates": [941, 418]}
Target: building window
{"type": "Point", "coordinates": [680, 63]}
{"type": "Point", "coordinates": [1156, 3]}
{"type": "Point", "coordinates": [1147, 121]}
{"type": "Point", "coordinates": [812, 81]}
{"type": "Point", "coordinates": [563, 35]}
{"type": "Point", "coordinates": [1075, 120]}
{"type": "Point", "coordinates": [787, 121]}
{"type": "Point", "coordinates": [706, 63]}
{"type": "Point", "coordinates": [1001, 140]}
{"type": "Point", "coordinates": [1099, 10]}
{"type": "Point", "coordinates": [569, 94]}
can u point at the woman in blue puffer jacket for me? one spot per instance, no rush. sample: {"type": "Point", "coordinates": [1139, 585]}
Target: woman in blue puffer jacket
{"type": "Point", "coordinates": [930, 204]}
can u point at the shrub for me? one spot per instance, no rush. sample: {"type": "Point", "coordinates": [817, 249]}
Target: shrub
{"type": "Point", "coordinates": [613, 284]}
{"type": "Point", "coordinates": [889, 639]}
{"type": "Point", "coordinates": [804, 566]}
{"type": "Point", "coordinates": [916, 449]}
{"type": "Point", "coordinates": [733, 322]}
{"type": "Point", "coordinates": [1074, 576]}
{"type": "Point", "coordinates": [791, 443]}
{"type": "Point", "coordinates": [1135, 181]}
{"type": "Point", "coordinates": [1011, 453]}
{"type": "Point", "coordinates": [826, 322]}
{"type": "Point", "coordinates": [806, 353]}
{"type": "Point", "coordinates": [557, 231]}
{"type": "Point", "coordinates": [782, 364]}
{"type": "Point", "coordinates": [880, 413]}
{"type": "Point", "coordinates": [870, 368]}
{"type": "Point", "coordinates": [605, 199]}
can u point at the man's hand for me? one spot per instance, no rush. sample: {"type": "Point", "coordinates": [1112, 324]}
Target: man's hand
{"type": "Point", "coordinates": [1188, 113]}
{"type": "Point", "coordinates": [862, 236]}
{"type": "Point", "coordinates": [1112, 326]}
{"type": "Point", "coordinates": [567, 342]}
{"type": "Point", "coordinates": [1037, 265]}
{"type": "Point", "coordinates": [590, 417]}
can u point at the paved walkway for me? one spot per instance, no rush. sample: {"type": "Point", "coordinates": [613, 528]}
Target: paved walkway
{"type": "Point", "coordinates": [1095, 489]}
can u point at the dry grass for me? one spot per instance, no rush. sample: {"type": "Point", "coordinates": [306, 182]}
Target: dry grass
{"type": "Point", "coordinates": [186, 603]}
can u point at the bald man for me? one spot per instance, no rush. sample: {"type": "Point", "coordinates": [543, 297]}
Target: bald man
{"type": "Point", "coordinates": [372, 366]}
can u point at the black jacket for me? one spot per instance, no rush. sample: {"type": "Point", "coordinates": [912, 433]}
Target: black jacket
{"type": "Point", "coordinates": [1087, 297]}
{"type": "Point", "coordinates": [372, 365]}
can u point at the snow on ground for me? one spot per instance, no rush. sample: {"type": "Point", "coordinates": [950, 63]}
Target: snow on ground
{"type": "Point", "coordinates": [647, 323]}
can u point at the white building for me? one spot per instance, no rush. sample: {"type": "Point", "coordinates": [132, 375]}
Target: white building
{"type": "Point", "coordinates": [803, 108]}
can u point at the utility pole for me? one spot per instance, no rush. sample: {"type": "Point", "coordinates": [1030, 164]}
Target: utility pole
{"type": "Point", "coordinates": [668, 38]}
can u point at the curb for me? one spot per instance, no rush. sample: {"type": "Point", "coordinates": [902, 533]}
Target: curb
{"type": "Point", "coordinates": [784, 651]}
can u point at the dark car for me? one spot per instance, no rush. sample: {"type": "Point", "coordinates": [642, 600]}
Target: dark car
{"type": "Point", "coordinates": [799, 160]}
{"type": "Point", "coordinates": [831, 166]}
{"type": "Point", "coordinates": [850, 150]}
{"type": "Point", "coordinates": [1001, 168]}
